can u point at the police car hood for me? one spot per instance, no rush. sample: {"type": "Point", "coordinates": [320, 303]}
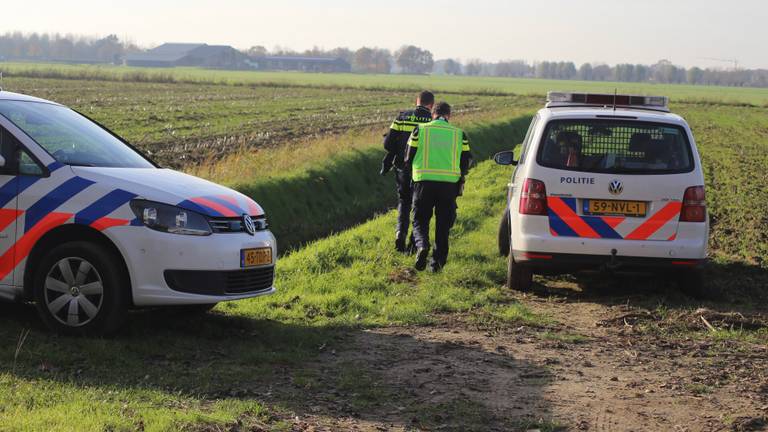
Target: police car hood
{"type": "Point", "coordinates": [174, 188]}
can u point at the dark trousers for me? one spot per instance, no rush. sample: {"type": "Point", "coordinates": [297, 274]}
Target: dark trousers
{"type": "Point", "coordinates": [440, 198]}
{"type": "Point", "coordinates": [404, 200]}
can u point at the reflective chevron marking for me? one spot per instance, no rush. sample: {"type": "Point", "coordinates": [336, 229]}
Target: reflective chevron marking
{"type": "Point", "coordinates": [655, 222]}
{"type": "Point", "coordinates": [53, 200]}
{"type": "Point", "coordinates": [13, 256]}
{"type": "Point", "coordinates": [564, 221]}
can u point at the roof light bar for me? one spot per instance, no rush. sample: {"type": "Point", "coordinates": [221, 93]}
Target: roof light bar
{"type": "Point", "coordinates": [660, 103]}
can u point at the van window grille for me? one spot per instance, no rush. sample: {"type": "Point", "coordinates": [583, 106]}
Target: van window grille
{"type": "Point", "coordinates": [615, 146]}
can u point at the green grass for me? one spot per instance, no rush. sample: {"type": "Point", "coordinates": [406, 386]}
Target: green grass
{"type": "Point", "coordinates": [734, 146]}
{"type": "Point", "coordinates": [748, 336]}
{"type": "Point", "coordinates": [42, 404]}
{"type": "Point", "coordinates": [442, 83]}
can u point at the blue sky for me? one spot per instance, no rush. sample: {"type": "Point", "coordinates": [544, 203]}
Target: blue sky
{"type": "Point", "coordinates": [642, 31]}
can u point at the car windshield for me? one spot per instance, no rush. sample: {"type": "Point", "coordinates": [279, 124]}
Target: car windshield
{"type": "Point", "coordinates": [615, 146]}
{"type": "Point", "coordinates": [69, 137]}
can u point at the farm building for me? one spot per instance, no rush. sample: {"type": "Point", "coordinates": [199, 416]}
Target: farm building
{"type": "Point", "coordinates": [303, 64]}
{"type": "Point", "coordinates": [190, 54]}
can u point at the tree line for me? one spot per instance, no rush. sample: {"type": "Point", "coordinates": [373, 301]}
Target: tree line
{"type": "Point", "coordinates": [408, 59]}
{"type": "Point", "coordinates": [64, 48]}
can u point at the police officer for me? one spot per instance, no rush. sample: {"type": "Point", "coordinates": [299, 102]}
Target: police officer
{"type": "Point", "coordinates": [440, 157]}
{"type": "Point", "coordinates": [395, 144]}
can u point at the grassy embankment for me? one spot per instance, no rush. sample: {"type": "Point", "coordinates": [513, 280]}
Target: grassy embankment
{"type": "Point", "coordinates": [312, 198]}
{"type": "Point", "coordinates": [443, 83]}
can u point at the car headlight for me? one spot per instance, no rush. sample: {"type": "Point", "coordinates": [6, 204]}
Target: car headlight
{"type": "Point", "coordinates": [170, 219]}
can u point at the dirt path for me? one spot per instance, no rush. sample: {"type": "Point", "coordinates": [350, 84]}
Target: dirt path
{"type": "Point", "coordinates": [594, 370]}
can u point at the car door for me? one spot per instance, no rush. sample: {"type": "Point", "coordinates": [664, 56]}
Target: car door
{"type": "Point", "coordinates": [8, 209]}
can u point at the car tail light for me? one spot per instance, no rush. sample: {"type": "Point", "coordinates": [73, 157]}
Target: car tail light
{"type": "Point", "coordinates": [533, 199]}
{"type": "Point", "coordinates": [694, 205]}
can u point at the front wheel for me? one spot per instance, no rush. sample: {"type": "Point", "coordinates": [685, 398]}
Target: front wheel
{"type": "Point", "coordinates": [81, 289]}
{"type": "Point", "coordinates": [519, 277]}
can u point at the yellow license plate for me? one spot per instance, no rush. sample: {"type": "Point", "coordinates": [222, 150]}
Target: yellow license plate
{"type": "Point", "coordinates": [255, 257]}
{"type": "Point", "coordinates": [617, 208]}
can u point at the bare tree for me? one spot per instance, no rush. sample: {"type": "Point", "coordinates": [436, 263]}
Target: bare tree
{"type": "Point", "coordinates": [371, 60]}
{"type": "Point", "coordinates": [474, 67]}
{"type": "Point", "coordinates": [257, 51]}
{"type": "Point", "coordinates": [452, 67]}
{"type": "Point", "coordinates": [415, 60]}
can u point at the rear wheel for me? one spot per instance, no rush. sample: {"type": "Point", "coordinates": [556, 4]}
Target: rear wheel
{"type": "Point", "coordinates": [80, 289]}
{"type": "Point", "coordinates": [505, 233]}
{"type": "Point", "coordinates": [519, 277]}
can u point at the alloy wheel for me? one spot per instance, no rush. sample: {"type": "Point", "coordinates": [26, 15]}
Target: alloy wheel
{"type": "Point", "coordinates": [74, 291]}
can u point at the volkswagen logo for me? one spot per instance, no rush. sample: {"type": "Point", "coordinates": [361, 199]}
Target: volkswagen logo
{"type": "Point", "coordinates": [615, 187]}
{"type": "Point", "coordinates": [250, 227]}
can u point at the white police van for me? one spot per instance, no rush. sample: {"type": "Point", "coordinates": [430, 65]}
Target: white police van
{"type": "Point", "coordinates": [89, 227]}
{"type": "Point", "coordinates": [610, 182]}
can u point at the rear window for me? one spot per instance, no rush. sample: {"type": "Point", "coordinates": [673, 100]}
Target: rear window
{"type": "Point", "coordinates": [615, 146]}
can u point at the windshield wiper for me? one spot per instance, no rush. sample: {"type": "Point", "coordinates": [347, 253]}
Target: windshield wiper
{"type": "Point", "coordinates": [80, 164]}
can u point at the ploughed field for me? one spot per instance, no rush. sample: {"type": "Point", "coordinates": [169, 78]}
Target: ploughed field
{"type": "Point", "coordinates": [356, 340]}
{"type": "Point", "coordinates": [183, 124]}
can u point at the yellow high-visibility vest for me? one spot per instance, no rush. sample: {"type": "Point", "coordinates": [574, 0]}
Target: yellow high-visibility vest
{"type": "Point", "coordinates": [438, 156]}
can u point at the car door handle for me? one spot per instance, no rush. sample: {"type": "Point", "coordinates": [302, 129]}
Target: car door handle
{"type": "Point", "coordinates": [3, 235]}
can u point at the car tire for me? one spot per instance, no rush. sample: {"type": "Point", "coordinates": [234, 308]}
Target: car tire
{"type": "Point", "coordinates": [519, 277]}
{"type": "Point", "coordinates": [505, 233]}
{"type": "Point", "coordinates": [692, 283]}
{"type": "Point", "coordinates": [81, 289]}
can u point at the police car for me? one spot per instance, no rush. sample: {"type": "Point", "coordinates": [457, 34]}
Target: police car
{"type": "Point", "coordinates": [89, 227]}
{"type": "Point", "coordinates": [611, 182]}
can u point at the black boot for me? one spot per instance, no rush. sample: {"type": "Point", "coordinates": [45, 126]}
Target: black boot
{"type": "Point", "coordinates": [410, 249]}
{"type": "Point", "coordinates": [421, 259]}
{"type": "Point", "coordinates": [435, 265]}
{"type": "Point", "coordinates": [400, 242]}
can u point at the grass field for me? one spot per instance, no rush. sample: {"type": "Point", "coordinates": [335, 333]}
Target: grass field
{"type": "Point", "coordinates": [440, 83]}
{"type": "Point", "coordinates": [356, 340]}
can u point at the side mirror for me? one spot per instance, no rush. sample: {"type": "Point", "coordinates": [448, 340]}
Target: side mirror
{"type": "Point", "coordinates": [2, 162]}
{"type": "Point", "coordinates": [505, 158]}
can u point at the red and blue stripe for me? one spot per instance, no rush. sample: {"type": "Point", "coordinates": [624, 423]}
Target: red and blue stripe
{"type": "Point", "coordinates": [222, 206]}
{"type": "Point", "coordinates": [565, 221]}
